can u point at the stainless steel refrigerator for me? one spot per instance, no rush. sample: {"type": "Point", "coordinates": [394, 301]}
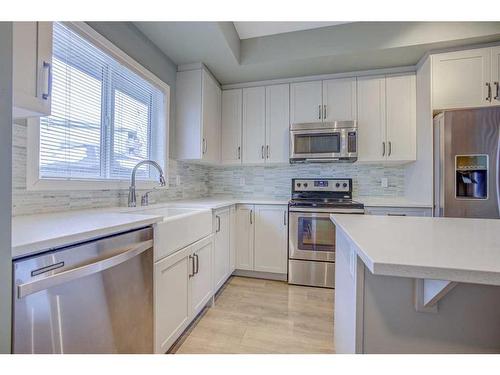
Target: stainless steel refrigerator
{"type": "Point", "coordinates": [466, 161]}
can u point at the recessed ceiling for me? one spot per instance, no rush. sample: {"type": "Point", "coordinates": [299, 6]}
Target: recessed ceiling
{"type": "Point", "coordinates": [323, 49]}
{"type": "Point", "coordinates": [248, 30]}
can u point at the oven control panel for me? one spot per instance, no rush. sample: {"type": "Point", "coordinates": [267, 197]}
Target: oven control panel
{"type": "Point", "coordinates": [341, 185]}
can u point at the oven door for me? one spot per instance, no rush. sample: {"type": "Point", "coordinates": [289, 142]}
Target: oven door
{"type": "Point", "coordinates": [311, 236]}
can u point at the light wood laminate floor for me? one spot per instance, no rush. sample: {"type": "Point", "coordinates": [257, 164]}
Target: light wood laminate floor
{"type": "Point", "coordinates": [263, 316]}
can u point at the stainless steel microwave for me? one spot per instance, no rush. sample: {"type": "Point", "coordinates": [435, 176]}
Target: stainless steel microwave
{"type": "Point", "coordinates": [324, 142]}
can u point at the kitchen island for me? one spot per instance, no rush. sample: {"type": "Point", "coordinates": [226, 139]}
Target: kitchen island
{"type": "Point", "coordinates": [417, 285]}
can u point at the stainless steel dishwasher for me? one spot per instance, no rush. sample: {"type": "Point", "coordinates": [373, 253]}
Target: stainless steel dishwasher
{"type": "Point", "coordinates": [94, 297]}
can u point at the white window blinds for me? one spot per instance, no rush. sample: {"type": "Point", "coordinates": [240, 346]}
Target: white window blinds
{"type": "Point", "coordinates": [104, 119]}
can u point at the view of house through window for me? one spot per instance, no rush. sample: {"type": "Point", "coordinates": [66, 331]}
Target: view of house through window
{"type": "Point", "coordinates": [105, 118]}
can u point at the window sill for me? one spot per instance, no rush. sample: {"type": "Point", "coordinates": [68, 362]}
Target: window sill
{"type": "Point", "coordinates": [83, 185]}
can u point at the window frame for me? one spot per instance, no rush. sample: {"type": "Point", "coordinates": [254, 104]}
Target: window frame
{"type": "Point", "coordinates": [33, 179]}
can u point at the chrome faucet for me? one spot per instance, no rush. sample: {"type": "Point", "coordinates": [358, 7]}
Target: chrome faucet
{"type": "Point", "coordinates": [131, 190]}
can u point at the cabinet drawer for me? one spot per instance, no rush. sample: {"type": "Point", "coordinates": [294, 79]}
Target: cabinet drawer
{"type": "Point", "coordinates": [398, 211]}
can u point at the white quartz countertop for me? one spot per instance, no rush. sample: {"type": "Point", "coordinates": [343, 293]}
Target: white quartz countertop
{"type": "Point", "coordinates": [221, 202]}
{"type": "Point", "coordinates": [34, 233]}
{"type": "Point", "coordinates": [462, 250]}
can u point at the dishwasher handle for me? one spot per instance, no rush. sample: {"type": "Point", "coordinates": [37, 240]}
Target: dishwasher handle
{"type": "Point", "coordinates": [26, 289]}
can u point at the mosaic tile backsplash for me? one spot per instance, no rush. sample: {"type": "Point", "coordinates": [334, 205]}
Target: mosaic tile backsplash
{"type": "Point", "coordinates": [200, 181]}
{"type": "Point", "coordinates": [275, 181]}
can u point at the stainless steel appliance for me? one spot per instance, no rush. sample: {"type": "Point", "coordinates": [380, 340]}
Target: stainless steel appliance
{"type": "Point", "coordinates": [466, 163]}
{"type": "Point", "coordinates": [311, 244]}
{"type": "Point", "coordinates": [324, 142]}
{"type": "Point", "coordinates": [95, 297]}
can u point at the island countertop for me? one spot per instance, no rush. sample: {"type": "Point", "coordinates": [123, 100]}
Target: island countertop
{"type": "Point", "coordinates": [454, 249]}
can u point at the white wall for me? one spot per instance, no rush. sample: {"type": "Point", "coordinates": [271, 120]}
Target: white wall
{"type": "Point", "coordinates": [5, 184]}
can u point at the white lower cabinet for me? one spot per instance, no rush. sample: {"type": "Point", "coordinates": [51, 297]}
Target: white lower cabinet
{"type": "Point", "coordinates": [222, 247]}
{"type": "Point", "coordinates": [261, 238]}
{"type": "Point", "coordinates": [171, 298]}
{"type": "Point", "coordinates": [232, 238]}
{"type": "Point", "coordinates": [182, 287]}
{"type": "Point", "coordinates": [201, 276]}
{"type": "Point", "coordinates": [270, 248]}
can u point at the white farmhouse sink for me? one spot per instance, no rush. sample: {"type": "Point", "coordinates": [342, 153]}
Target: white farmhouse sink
{"type": "Point", "coordinates": [180, 227]}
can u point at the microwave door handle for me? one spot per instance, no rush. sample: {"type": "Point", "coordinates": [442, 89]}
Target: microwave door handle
{"type": "Point", "coordinates": [26, 289]}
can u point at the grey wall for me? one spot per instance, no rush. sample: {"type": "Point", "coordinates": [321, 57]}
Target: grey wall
{"type": "Point", "coordinates": [130, 40]}
{"type": "Point", "coordinates": [5, 183]}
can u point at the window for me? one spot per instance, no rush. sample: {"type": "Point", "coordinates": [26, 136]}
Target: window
{"type": "Point", "coordinates": [105, 117]}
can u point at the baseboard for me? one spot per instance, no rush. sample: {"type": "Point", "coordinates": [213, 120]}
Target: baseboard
{"type": "Point", "coordinates": [261, 275]}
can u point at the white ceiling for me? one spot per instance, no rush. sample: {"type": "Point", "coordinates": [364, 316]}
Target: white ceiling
{"type": "Point", "coordinates": [345, 47]}
{"type": "Point", "coordinates": [252, 29]}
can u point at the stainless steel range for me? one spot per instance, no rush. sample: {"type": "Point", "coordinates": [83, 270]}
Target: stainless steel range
{"type": "Point", "coordinates": [311, 245]}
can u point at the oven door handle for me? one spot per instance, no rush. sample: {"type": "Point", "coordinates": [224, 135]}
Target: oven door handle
{"type": "Point", "coordinates": [327, 211]}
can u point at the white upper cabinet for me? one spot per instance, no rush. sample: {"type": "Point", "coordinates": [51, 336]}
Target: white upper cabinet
{"type": "Point", "coordinates": [277, 123]}
{"type": "Point", "coordinates": [371, 118]}
{"type": "Point", "coordinates": [271, 231]}
{"type": "Point", "coordinates": [306, 104]}
{"type": "Point", "coordinates": [254, 125]}
{"type": "Point", "coordinates": [211, 118]}
{"type": "Point", "coordinates": [495, 75]}
{"type": "Point", "coordinates": [339, 99]}
{"type": "Point", "coordinates": [198, 112]}
{"type": "Point", "coordinates": [387, 118]}
{"type": "Point", "coordinates": [231, 126]}
{"type": "Point", "coordinates": [32, 69]}
{"type": "Point", "coordinates": [401, 117]}
{"type": "Point", "coordinates": [462, 79]}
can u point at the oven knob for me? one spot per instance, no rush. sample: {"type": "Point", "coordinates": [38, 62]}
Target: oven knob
{"type": "Point", "coordinates": [305, 184]}
{"type": "Point", "coordinates": [337, 185]}
{"type": "Point", "coordinates": [344, 184]}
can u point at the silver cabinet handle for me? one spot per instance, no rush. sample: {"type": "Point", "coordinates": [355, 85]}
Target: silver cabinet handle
{"type": "Point", "coordinates": [218, 224]}
{"type": "Point", "coordinates": [26, 289]}
{"type": "Point", "coordinates": [497, 91]}
{"type": "Point", "coordinates": [392, 214]}
{"type": "Point", "coordinates": [239, 152]}
{"type": "Point", "coordinates": [319, 112]}
{"type": "Point", "coordinates": [284, 218]}
{"type": "Point", "coordinates": [390, 149]}
{"type": "Point", "coordinates": [262, 151]}
{"type": "Point", "coordinates": [324, 111]}
{"type": "Point", "coordinates": [488, 85]}
{"type": "Point", "coordinates": [191, 258]}
{"type": "Point", "coordinates": [197, 263]}
{"type": "Point", "coordinates": [267, 151]}
{"type": "Point", "coordinates": [204, 146]}
{"type": "Point", "coordinates": [47, 67]}
{"type": "Point", "coordinates": [383, 148]}
{"type": "Point", "coordinates": [251, 212]}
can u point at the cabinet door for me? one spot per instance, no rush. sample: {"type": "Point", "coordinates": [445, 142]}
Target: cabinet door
{"type": "Point", "coordinates": [495, 75]}
{"type": "Point", "coordinates": [371, 118]}
{"type": "Point", "coordinates": [202, 275]}
{"type": "Point", "coordinates": [306, 102]}
{"type": "Point", "coordinates": [401, 117]}
{"type": "Point", "coordinates": [270, 254]}
{"type": "Point", "coordinates": [459, 79]}
{"type": "Point", "coordinates": [339, 99]}
{"type": "Point", "coordinates": [211, 100]}
{"type": "Point", "coordinates": [232, 236]}
{"type": "Point", "coordinates": [254, 125]}
{"type": "Point", "coordinates": [244, 237]}
{"type": "Point", "coordinates": [171, 299]}
{"type": "Point", "coordinates": [277, 123]}
{"type": "Point", "coordinates": [32, 69]}
{"type": "Point", "coordinates": [231, 126]}
{"type": "Point", "coordinates": [221, 248]}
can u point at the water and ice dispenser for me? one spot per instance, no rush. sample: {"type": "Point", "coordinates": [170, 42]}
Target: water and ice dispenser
{"type": "Point", "coordinates": [471, 173]}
